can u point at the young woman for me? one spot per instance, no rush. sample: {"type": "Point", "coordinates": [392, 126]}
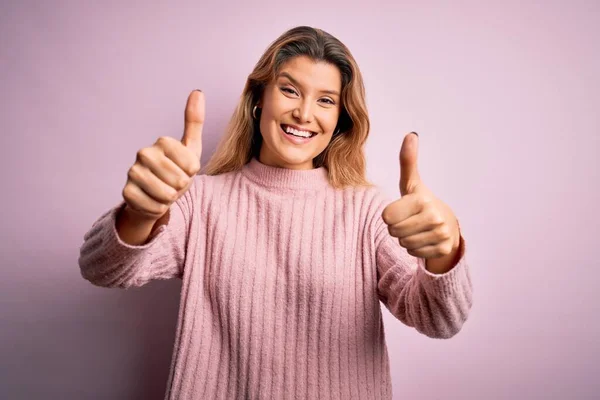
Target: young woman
{"type": "Point", "coordinates": [284, 249]}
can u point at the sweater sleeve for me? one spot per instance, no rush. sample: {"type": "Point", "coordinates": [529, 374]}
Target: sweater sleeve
{"type": "Point", "coordinates": [105, 260]}
{"type": "Point", "coordinates": [436, 305]}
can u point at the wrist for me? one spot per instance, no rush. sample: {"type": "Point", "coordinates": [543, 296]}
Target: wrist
{"type": "Point", "coordinates": [131, 228]}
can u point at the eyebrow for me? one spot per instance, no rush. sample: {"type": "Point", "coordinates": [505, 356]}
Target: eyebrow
{"type": "Point", "coordinates": [295, 82]}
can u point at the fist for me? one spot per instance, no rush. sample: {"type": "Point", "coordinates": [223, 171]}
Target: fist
{"type": "Point", "coordinates": [423, 224]}
{"type": "Point", "coordinates": [163, 172]}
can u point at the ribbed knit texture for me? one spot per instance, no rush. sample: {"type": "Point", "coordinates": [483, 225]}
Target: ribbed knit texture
{"type": "Point", "coordinates": [283, 280]}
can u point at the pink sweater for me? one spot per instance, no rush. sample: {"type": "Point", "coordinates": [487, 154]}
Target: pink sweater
{"type": "Point", "coordinates": [283, 277]}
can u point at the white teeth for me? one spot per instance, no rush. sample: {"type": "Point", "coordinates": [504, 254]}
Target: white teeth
{"type": "Point", "coordinates": [296, 132]}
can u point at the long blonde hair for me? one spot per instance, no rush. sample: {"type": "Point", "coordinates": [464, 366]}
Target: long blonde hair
{"type": "Point", "coordinates": [344, 157]}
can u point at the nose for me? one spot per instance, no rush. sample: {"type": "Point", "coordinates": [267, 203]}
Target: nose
{"type": "Point", "coordinates": [303, 113]}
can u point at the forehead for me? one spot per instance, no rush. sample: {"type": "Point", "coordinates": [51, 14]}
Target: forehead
{"type": "Point", "coordinates": [319, 75]}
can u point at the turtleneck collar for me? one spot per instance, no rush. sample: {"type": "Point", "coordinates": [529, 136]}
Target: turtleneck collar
{"type": "Point", "coordinates": [284, 178]}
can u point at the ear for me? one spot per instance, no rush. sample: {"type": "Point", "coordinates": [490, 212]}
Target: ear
{"type": "Point", "coordinates": [261, 97]}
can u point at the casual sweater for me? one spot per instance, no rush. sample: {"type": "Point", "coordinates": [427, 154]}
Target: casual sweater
{"type": "Point", "coordinates": [282, 280]}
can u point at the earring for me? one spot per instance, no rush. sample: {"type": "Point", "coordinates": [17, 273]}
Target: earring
{"type": "Point", "coordinates": [254, 111]}
{"type": "Point", "coordinates": [337, 131]}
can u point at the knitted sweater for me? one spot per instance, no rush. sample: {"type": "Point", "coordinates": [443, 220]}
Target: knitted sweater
{"type": "Point", "coordinates": [283, 276]}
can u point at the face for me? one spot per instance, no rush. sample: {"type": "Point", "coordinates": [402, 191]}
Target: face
{"type": "Point", "coordinates": [300, 110]}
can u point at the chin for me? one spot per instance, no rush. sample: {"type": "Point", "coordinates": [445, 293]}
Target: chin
{"type": "Point", "coordinates": [287, 157]}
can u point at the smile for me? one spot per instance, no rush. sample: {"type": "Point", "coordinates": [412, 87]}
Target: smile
{"type": "Point", "coordinates": [291, 130]}
{"type": "Point", "coordinates": [296, 136]}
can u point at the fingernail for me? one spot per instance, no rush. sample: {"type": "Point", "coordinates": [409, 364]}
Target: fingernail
{"type": "Point", "coordinates": [199, 90]}
{"type": "Point", "coordinates": [415, 133]}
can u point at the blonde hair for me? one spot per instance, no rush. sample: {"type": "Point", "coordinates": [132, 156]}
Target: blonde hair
{"type": "Point", "coordinates": [344, 157]}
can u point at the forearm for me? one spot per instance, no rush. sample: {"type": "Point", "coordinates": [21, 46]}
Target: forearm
{"type": "Point", "coordinates": [107, 260]}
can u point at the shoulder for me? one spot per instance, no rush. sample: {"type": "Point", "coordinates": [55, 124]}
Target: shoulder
{"type": "Point", "coordinates": [376, 200]}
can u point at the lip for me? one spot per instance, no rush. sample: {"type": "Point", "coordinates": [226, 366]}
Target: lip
{"type": "Point", "coordinates": [294, 139]}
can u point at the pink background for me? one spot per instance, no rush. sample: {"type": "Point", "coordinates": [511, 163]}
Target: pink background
{"type": "Point", "coordinates": [505, 96]}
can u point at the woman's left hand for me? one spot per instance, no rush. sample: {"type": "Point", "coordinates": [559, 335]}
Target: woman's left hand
{"type": "Point", "coordinates": [423, 224]}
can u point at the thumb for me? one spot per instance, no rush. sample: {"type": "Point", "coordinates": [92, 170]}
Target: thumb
{"type": "Point", "coordinates": [194, 122]}
{"type": "Point", "coordinates": [409, 173]}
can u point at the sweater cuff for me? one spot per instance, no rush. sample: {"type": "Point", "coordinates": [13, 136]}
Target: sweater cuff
{"type": "Point", "coordinates": [105, 246]}
{"type": "Point", "coordinates": [105, 259]}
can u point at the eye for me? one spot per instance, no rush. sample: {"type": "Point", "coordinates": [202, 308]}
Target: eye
{"type": "Point", "coordinates": [288, 90]}
{"type": "Point", "coordinates": [329, 101]}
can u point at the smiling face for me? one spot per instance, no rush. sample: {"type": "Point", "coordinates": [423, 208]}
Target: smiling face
{"type": "Point", "coordinates": [300, 110]}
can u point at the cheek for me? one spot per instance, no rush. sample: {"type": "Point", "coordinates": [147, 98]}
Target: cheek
{"type": "Point", "coordinates": [271, 114]}
{"type": "Point", "coordinates": [265, 128]}
{"type": "Point", "coordinates": [266, 117]}
{"type": "Point", "coordinates": [277, 103]}
{"type": "Point", "coordinates": [330, 121]}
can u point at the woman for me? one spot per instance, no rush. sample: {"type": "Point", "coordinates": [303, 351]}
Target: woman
{"type": "Point", "coordinates": [284, 249]}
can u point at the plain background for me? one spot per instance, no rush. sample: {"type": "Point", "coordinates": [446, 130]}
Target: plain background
{"type": "Point", "coordinates": [505, 97]}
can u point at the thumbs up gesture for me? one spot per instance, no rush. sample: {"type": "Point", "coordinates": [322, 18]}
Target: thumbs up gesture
{"type": "Point", "coordinates": [163, 172]}
{"type": "Point", "coordinates": [423, 224]}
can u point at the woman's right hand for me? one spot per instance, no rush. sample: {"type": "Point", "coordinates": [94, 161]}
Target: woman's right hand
{"type": "Point", "coordinates": [163, 172]}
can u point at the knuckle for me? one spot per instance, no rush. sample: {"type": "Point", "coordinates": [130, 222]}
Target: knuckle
{"type": "Point", "coordinates": [424, 201]}
{"type": "Point", "coordinates": [435, 218]}
{"type": "Point", "coordinates": [143, 155]}
{"type": "Point", "coordinates": [390, 230]}
{"type": "Point", "coordinates": [185, 166]}
{"type": "Point", "coordinates": [386, 216]}
{"type": "Point", "coordinates": [190, 164]}
{"type": "Point", "coordinates": [443, 232]}
{"type": "Point", "coordinates": [182, 183]}
{"type": "Point", "coordinates": [173, 195]}
{"type": "Point", "coordinates": [155, 208]}
{"type": "Point", "coordinates": [163, 141]}
{"type": "Point", "coordinates": [133, 172]}
{"type": "Point", "coordinates": [163, 208]}
{"type": "Point", "coordinates": [195, 166]}
{"type": "Point", "coordinates": [127, 192]}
